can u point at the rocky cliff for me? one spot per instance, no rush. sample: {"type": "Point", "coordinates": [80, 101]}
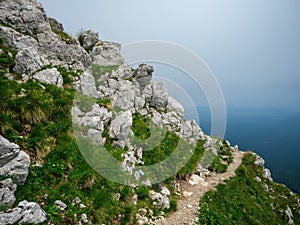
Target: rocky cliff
{"type": "Point", "coordinates": [57, 89]}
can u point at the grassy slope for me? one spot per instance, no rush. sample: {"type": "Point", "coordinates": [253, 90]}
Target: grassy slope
{"type": "Point", "coordinates": [243, 200]}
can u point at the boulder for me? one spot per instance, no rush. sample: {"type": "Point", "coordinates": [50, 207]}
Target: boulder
{"type": "Point", "coordinates": [88, 86]}
{"type": "Point", "coordinates": [107, 54]}
{"type": "Point", "coordinates": [160, 200]}
{"type": "Point", "coordinates": [143, 75]}
{"type": "Point", "coordinates": [124, 71]}
{"type": "Point", "coordinates": [49, 76]}
{"type": "Point", "coordinates": [125, 95]}
{"type": "Point", "coordinates": [24, 15]}
{"type": "Point", "coordinates": [8, 151]}
{"type": "Point", "coordinates": [26, 212]}
{"type": "Point", "coordinates": [7, 191]}
{"type": "Point", "coordinates": [17, 167]}
{"type": "Point", "coordinates": [121, 127]}
{"type": "Point", "coordinates": [55, 25]}
{"type": "Point", "coordinates": [267, 174]}
{"type": "Point", "coordinates": [89, 38]}
{"type": "Point", "coordinates": [175, 106]}
{"type": "Point", "coordinates": [28, 61]}
{"type": "Point", "coordinates": [157, 95]}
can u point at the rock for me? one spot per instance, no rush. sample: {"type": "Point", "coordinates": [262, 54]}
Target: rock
{"type": "Point", "coordinates": [89, 38]}
{"type": "Point", "coordinates": [60, 205]}
{"type": "Point", "coordinates": [289, 213]}
{"type": "Point", "coordinates": [143, 75]}
{"type": "Point", "coordinates": [55, 25]}
{"type": "Point", "coordinates": [26, 212]}
{"type": "Point", "coordinates": [107, 54]}
{"type": "Point", "coordinates": [195, 179]}
{"type": "Point", "coordinates": [84, 218]}
{"type": "Point", "coordinates": [8, 151]}
{"type": "Point", "coordinates": [17, 167]}
{"type": "Point", "coordinates": [101, 112]}
{"type": "Point", "coordinates": [7, 191]}
{"type": "Point", "coordinates": [121, 127]}
{"type": "Point", "coordinates": [77, 200]}
{"type": "Point", "coordinates": [49, 76]}
{"type": "Point", "coordinates": [165, 191]}
{"type": "Point", "coordinates": [95, 136]}
{"type": "Point", "coordinates": [258, 179]}
{"type": "Point", "coordinates": [267, 174]}
{"type": "Point", "coordinates": [24, 15]}
{"type": "Point", "coordinates": [125, 95]}
{"type": "Point", "coordinates": [259, 161]}
{"type": "Point", "coordinates": [124, 71]}
{"type": "Point", "coordinates": [57, 52]}
{"type": "Point", "coordinates": [187, 194]}
{"type": "Point", "coordinates": [172, 120]}
{"type": "Point", "coordinates": [175, 106]}
{"type": "Point", "coordinates": [88, 85]}
{"type": "Point", "coordinates": [189, 206]}
{"type": "Point", "coordinates": [161, 201]}
{"type": "Point", "coordinates": [27, 61]}
{"type": "Point", "coordinates": [160, 95]}
{"type": "Point", "coordinates": [16, 40]}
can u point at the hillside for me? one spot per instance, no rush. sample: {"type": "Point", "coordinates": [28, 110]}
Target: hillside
{"type": "Point", "coordinates": [87, 139]}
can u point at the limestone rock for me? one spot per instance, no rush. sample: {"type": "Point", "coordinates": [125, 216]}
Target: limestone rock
{"type": "Point", "coordinates": [143, 75]}
{"type": "Point", "coordinates": [88, 86]}
{"type": "Point", "coordinates": [175, 106]}
{"type": "Point", "coordinates": [7, 191]}
{"type": "Point", "coordinates": [267, 174]}
{"type": "Point", "coordinates": [8, 151]}
{"type": "Point", "coordinates": [289, 213]}
{"type": "Point", "coordinates": [195, 179]}
{"type": "Point", "coordinates": [26, 212]}
{"type": "Point", "coordinates": [27, 61]}
{"type": "Point", "coordinates": [49, 76]}
{"type": "Point", "coordinates": [124, 71]}
{"type": "Point", "coordinates": [107, 54]}
{"type": "Point", "coordinates": [55, 25]}
{"type": "Point", "coordinates": [17, 167]}
{"type": "Point", "coordinates": [259, 161]}
{"type": "Point", "coordinates": [156, 95]}
{"type": "Point", "coordinates": [125, 95]}
{"type": "Point", "coordinates": [161, 201]}
{"type": "Point", "coordinates": [101, 112]}
{"type": "Point", "coordinates": [121, 126]}
{"type": "Point", "coordinates": [60, 205]}
{"type": "Point", "coordinates": [89, 38]}
{"type": "Point", "coordinates": [25, 15]}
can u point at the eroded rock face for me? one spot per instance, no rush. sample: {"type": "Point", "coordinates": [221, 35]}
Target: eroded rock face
{"type": "Point", "coordinates": [8, 151]}
{"type": "Point", "coordinates": [89, 39]}
{"type": "Point", "coordinates": [7, 191]}
{"type": "Point", "coordinates": [143, 75]}
{"type": "Point", "coordinates": [24, 15]}
{"type": "Point", "coordinates": [107, 54]}
{"type": "Point", "coordinates": [17, 167]}
{"type": "Point", "coordinates": [160, 200]}
{"type": "Point", "coordinates": [88, 85]}
{"type": "Point", "coordinates": [56, 25]}
{"type": "Point", "coordinates": [49, 76]}
{"type": "Point", "coordinates": [26, 212]}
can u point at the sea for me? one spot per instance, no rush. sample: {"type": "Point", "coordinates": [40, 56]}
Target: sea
{"type": "Point", "coordinates": [272, 133]}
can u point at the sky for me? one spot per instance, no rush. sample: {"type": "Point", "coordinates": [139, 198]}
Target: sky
{"type": "Point", "coordinates": [252, 46]}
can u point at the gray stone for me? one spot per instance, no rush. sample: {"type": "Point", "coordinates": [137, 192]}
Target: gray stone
{"type": "Point", "coordinates": [101, 112]}
{"type": "Point", "coordinates": [89, 38]}
{"type": "Point", "coordinates": [125, 95]}
{"type": "Point", "coordinates": [161, 201]}
{"type": "Point", "coordinates": [107, 54]}
{"type": "Point", "coordinates": [143, 75]}
{"type": "Point", "coordinates": [60, 205]}
{"type": "Point", "coordinates": [159, 96]}
{"type": "Point", "coordinates": [16, 40]}
{"type": "Point", "coordinates": [28, 61]}
{"type": "Point", "coordinates": [95, 136]}
{"type": "Point", "coordinates": [289, 213]}
{"type": "Point", "coordinates": [8, 151]}
{"type": "Point", "coordinates": [7, 191]}
{"type": "Point", "coordinates": [24, 15]}
{"type": "Point", "coordinates": [55, 25]}
{"type": "Point", "coordinates": [84, 218]}
{"type": "Point", "coordinates": [267, 174]}
{"type": "Point", "coordinates": [49, 76]}
{"type": "Point", "coordinates": [121, 127]}
{"type": "Point", "coordinates": [259, 161]}
{"type": "Point", "coordinates": [88, 86]}
{"type": "Point", "coordinates": [26, 212]}
{"type": "Point", "coordinates": [175, 106]}
{"type": "Point", "coordinates": [124, 71]}
{"type": "Point", "coordinates": [17, 167]}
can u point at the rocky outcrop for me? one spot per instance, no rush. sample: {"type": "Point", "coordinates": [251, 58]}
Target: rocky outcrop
{"type": "Point", "coordinates": [261, 162]}
{"type": "Point", "coordinates": [7, 191]}
{"type": "Point", "coordinates": [89, 38]}
{"type": "Point", "coordinates": [49, 76]}
{"type": "Point", "coordinates": [14, 163]}
{"type": "Point", "coordinates": [26, 212]}
{"type": "Point", "coordinates": [106, 54]}
{"type": "Point", "coordinates": [160, 200]}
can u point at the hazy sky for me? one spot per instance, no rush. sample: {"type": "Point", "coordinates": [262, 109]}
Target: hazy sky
{"type": "Point", "coordinates": [252, 46]}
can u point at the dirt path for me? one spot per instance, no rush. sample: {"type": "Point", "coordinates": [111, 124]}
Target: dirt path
{"type": "Point", "coordinates": [188, 206]}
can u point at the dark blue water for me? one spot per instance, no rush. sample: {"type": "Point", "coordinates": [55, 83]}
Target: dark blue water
{"type": "Point", "coordinates": [272, 133]}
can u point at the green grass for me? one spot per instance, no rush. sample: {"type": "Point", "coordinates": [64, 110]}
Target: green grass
{"type": "Point", "coordinates": [243, 200]}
